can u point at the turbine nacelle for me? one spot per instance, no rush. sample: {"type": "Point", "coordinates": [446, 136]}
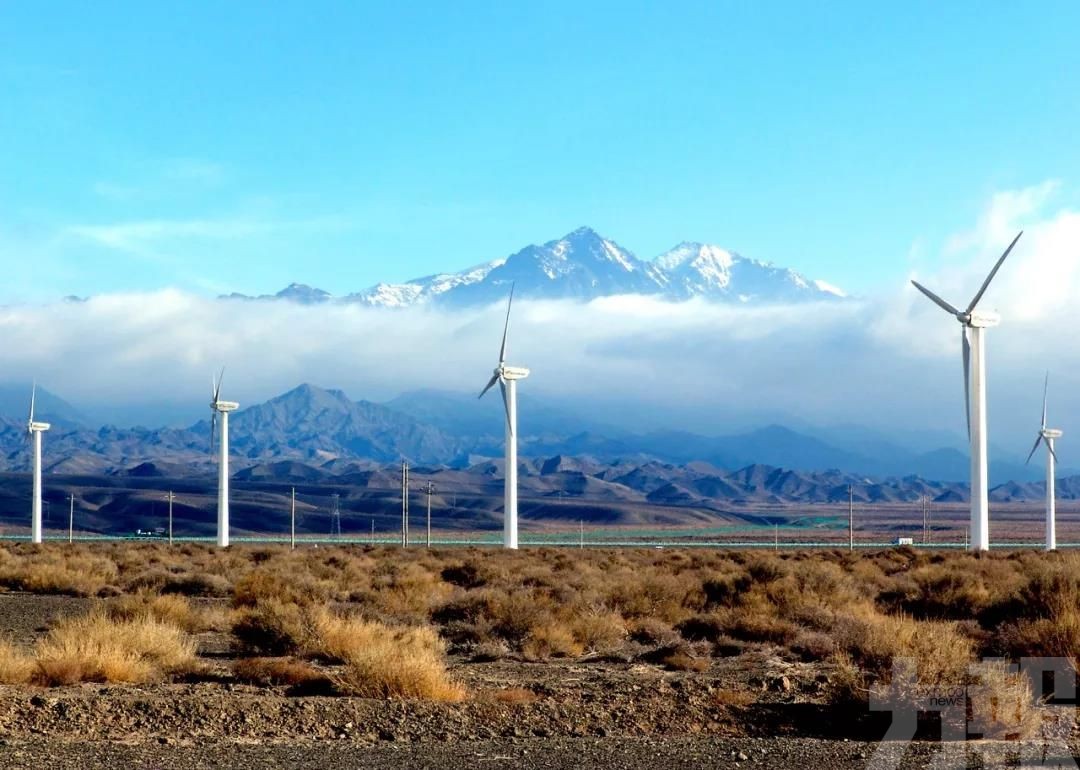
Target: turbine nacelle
{"type": "Point", "coordinates": [37, 427]}
{"type": "Point", "coordinates": [512, 372]}
{"type": "Point", "coordinates": [1045, 435]}
{"type": "Point", "coordinates": [224, 406]}
{"type": "Point", "coordinates": [982, 320]}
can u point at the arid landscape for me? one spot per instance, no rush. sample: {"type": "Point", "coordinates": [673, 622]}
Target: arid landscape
{"type": "Point", "coordinates": [300, 658]}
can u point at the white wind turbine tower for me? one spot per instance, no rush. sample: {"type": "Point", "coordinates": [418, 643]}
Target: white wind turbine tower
{"type": "Point", "coordinates": [33, 432]}
{"type": "Point", "coordinates": [222, 408]}
{"type": "Point", "coordinates": [507, 377]}
{"type": "Point", "coordinates": [1047, 436]}
{"type": "Point", "coordinates": [972, 334]}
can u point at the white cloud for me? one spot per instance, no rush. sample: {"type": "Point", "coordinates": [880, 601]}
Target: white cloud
{"type": "Point", "coordinates": [194, 170]}
{"type": "Point", "coordinates": [135, 236]}
{"type": "Point", "coordinates": [886, 361]}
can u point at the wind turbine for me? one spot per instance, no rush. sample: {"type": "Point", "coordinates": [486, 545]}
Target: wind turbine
{"type": "Point", "coordinates": [222, 408]}
{"type": "Point", "coordinates": [1047, 436]}
{"type": "Point", "coordinates": [972, 334]}
{"type": "Point", "coordinates": [33, 432]}
{"type": "Point", "coordinates": [507, 377]}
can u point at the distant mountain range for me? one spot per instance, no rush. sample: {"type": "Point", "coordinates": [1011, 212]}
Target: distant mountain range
{"type": "Point", "coordinates": [585, 265]}
{"type": "Point", "coordinates": [325, 430]}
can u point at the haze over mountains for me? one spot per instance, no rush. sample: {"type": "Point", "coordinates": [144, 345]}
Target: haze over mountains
{"type": "Point", "coordinates": [325, 431]}
{"type": "Point", "coordinates": [585, 265]}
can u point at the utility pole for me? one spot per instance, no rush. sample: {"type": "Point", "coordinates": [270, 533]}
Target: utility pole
{"type": "Point", "coordinates": [925, 520]}
{"type": "Point", "coordinates": [404, 504]}
{"type": "Point", "coordinates": [581, 533]}
{"type": "Point", "coordinates": [292, 521]}
{"type": "Point", "coordinates": [929, 532]}
{"type": "Point", "coordinates": [850, 518]}
{"type": "Point", "coordinates": [430, 492]}
{"type": "Point", "coordinates": [170, 497]}
{"type": "Point", "coordinates": [776, 537]}
{"type": "Point", "coordinates": [335, 516]}
{"type": "Point", "coordinates": [71, 520]}
{"type": "Point", "coordinates": [373, 531]}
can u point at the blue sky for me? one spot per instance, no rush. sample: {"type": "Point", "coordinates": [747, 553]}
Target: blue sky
{"type": "Point", "coordinates": [240, 146]}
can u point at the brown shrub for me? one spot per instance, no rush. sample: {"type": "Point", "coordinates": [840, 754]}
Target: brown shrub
{"type": "Point", "coordinates": [267, 584]}
{"type": "Point", "coordinates": [870, 643]}
{"type": "Point", "coordinates": [272, 627]}
{"type": "Point", "coordinates": [466, 575]}
{"type": "Point", "coordinates": [813, 645]}
{"type": "Point", "coordinates": [512, 696]}
{"type": "Point", "coordinates": [677, 657]}
{"type": "Point", "coordinates": [727, 698]}
{"type": "Point", "coordinates": [172, 609]}
{"type": "Point", "coordinates": [598, 631]}
{"type": "Point", "coordinates": [337, 639]}
{"type": "Point", "coordinates": [16, 667]}
{"type": "Point", "coordinates": [703, 628]}
{"type": "Point", "coordinates": [652, 631]}
{"type": "Point", "coordinates": [551, 641]}
{"type": "Point", "coordinates": [288, 672]}
{"type": "Point", "coordinates": [398, 663]}
{"type": "Point", "coordinates": [97, 648]}
{"type": "Point", "coordinates": [197, 584]}
{"type": "Point", "coordinates": [1001, 702]}
{"type": "Point", "coordinates": [46, 570]}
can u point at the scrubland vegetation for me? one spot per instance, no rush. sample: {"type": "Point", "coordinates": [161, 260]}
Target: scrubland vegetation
{"type": "Point", "coordinates": [382, 622]}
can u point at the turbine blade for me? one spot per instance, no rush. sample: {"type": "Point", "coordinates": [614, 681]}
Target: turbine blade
{"type": "Point", "coordinates": [966, 345]}
{"type": "Point", "coordinates": [1052, 452]}
{"type": "Point", "coordinates": [1046, 386]}
{"type": "Point", "coordinates": [33, 398]}
{"type": "Point", "coordinates": [989, 278]}
{"type": "Point", "coordinates": [506, 326]}
{"type": "Point", "coordinates": [1032, 452]}
{"type": "Point", "coordinates": [217, 387]}
{"type": "Point", "coordinates": [489, 386]}
{"type": "Point", "coordinates": [213, 429]}
{"type": "Point", "coordinates": [936, 299]}
{"type": "Point", "coordinates": [506, 405]}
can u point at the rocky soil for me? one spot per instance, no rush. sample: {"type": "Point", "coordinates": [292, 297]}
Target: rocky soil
{"type": "Point", "coordinates": [754, 710]}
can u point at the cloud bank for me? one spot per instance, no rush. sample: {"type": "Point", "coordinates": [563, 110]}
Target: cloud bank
{"type": "Point", "coordinates": [886, 361]}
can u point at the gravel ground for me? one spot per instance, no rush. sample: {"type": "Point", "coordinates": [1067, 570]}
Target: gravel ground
{"type": "Point", "coordinates": [23, 618]}
{"type": "Point", "coordinates": [599, 714]}
{"type": "Point", "coordinates": [550, 754]}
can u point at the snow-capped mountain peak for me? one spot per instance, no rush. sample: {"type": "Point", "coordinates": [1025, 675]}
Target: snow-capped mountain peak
{"type": "Point", "coordinates": [585, 265]}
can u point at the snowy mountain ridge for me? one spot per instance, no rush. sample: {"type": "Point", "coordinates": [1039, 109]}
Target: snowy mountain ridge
{"type": "Point", "coordinates": [585, 265]}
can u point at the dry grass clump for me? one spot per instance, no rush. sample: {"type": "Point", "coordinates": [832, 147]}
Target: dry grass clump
{"type": "Point", "coordinates": [264, 583]}
{"type": "Point", "coordinates": [551, 641]}
{"type": "Point", "coordinates": [172, 609]}
{"type": "Point", "coordinates": [727, 698]}
{"type": "Point", "coordinates": [870, 644]}
{"type": "Point", "coordinates": [272, 627]}
{"type": "Point", "coordinates": [98, 648]}
{"type": "Point", "coordinates": [677, 657]}
{"type": "Point", "coordinates": [16, 667]}
{"type": "Point", "coordinates": [385, 662]}
{"type": "Point", "coordinates": [856, 612]}
{"type": "Point", "coordinates": [511, 696]}
{"type": "Point", "coordinates": [46, 570]}
{"type": "Point", "coordinates": [277, 672]}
